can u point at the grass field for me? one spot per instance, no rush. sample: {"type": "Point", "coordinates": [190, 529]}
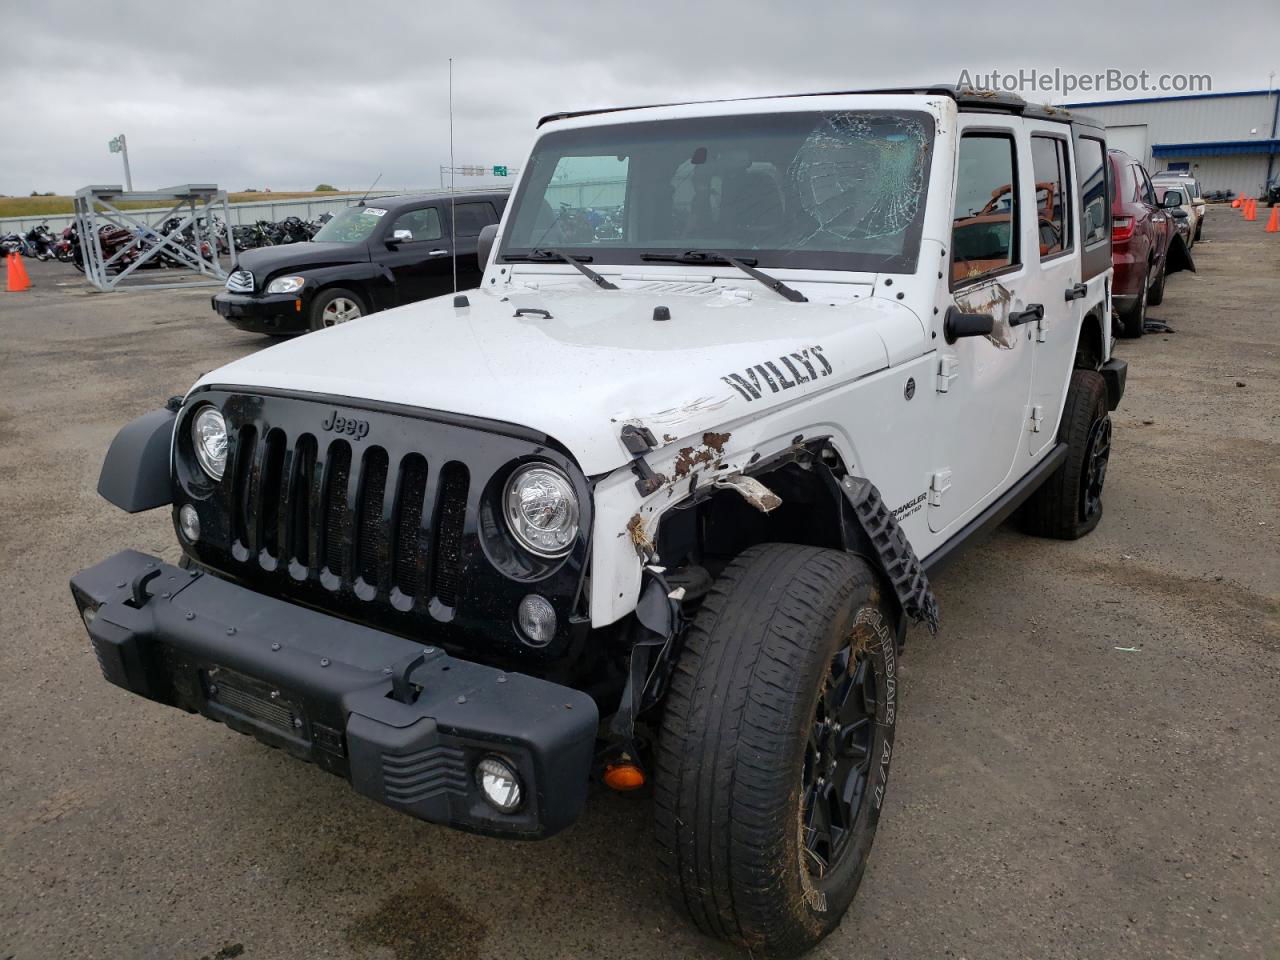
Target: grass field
{"type": "Point", "coordinates": [55, 206]}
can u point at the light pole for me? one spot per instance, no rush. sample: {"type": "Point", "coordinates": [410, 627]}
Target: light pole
{"type": "Point", "coordinates": [120, 145]}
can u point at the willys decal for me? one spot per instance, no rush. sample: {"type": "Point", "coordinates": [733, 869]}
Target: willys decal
{"type": "Point", "coordinates": [784, 373]}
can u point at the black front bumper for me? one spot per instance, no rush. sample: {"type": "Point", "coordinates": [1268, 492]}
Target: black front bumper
{"type": "Point", "coordinates": [279, 313]}
{"type": "Point", "coordinates": [406, 724]}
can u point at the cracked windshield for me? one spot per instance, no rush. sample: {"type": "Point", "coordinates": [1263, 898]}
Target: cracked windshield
{"type": "Point", "coordinates": [827, 190]}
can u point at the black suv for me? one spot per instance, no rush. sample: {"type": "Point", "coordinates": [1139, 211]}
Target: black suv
{"type": "Point", "coordinates": [377, 254]}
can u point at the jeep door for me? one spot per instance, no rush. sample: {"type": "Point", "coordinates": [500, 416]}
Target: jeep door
{"type": "Point", "coordinates": [1054, 271]}
{"type": "Point", "coordinates": [416, 251]}
{"type": "Point", "coordinates": [985, 381]}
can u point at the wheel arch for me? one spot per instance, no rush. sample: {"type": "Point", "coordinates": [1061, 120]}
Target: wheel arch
{"type": "Point", "coordinates": [1091, 344]}
{"type": "Point", "coordinates": [817, 493]}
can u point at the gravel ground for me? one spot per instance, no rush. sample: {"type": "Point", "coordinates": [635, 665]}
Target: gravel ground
{"type": "Point", "coordinates": [1089, 755]}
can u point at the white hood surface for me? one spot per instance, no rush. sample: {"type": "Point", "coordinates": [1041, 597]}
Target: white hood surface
{"type": "Point", "coordinates": [600, 361]}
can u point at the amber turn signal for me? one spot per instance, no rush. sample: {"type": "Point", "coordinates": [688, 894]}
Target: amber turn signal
{"type": "Point", "coordinates": [623, 776]}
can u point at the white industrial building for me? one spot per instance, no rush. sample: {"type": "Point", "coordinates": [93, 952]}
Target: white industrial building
{"type": "Point", "coordinates": [1227, 140]}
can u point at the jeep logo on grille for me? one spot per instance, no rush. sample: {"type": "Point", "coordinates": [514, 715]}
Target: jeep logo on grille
{"type": "Point", "coordinates": [348, 425]}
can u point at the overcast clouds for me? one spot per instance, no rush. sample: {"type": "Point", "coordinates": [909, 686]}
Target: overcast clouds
{"type": "Point", "coordinates": [287, 95]}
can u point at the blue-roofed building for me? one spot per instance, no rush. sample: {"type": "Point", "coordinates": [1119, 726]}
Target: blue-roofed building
{"type": "Point", "coordinates": [1229, 141]}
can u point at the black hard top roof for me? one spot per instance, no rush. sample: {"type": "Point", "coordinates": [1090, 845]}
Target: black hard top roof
{"type": "Point", "coordinates": [407, 199]}
{"type": "Point", "coordinates": [967, 98]}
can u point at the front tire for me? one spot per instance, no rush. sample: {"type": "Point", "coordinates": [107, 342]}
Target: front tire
{"type": "Point", "coordinates": [1069, 504]}
{"type": "Point", "coordinates": [774, 751]}
{"type": "Point", "coordinates": [335, 306]}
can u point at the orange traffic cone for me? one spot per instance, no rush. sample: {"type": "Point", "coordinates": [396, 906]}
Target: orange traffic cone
{"type": "Point", "coordinates": [1235, 204]}
{"type": "Point", "coordinates": [1273, 224]}
{"type": "Point", "coordinates": [17, 279]}
{"type": "Point", "coordinates": [1252, 212]}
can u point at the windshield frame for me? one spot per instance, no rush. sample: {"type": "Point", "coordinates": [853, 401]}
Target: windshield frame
{"type": "Point", "coordinates": [770, 259]}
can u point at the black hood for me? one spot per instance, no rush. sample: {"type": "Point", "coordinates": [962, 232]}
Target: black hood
{"type": "Point", "coordinates": [262, 262]}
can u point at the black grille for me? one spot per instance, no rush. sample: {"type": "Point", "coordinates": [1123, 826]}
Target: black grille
{"type": "Point", "coordinates": [408, 573]}
{"type": "Point", "coordinates": [350, 518]}
{"type": "Point", "coordinates": [450, 517]}
{"type": "Point", "coordinates": [335, 506]}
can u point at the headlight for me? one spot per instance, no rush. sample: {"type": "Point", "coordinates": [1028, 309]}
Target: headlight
{"type": "Point", "coordinates": [542, 510]}
{"type": "Point", "coordinates": [285, 284]}
{"type": "Point", "coordinates": [209, 437]}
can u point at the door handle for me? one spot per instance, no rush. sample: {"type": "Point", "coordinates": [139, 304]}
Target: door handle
{"type": "Point", "coordinates": [1033, 313]}
{"type": "Point", "coordinates": [1077, 292]}
{"type": "Point", "coordinates": [436, 253]}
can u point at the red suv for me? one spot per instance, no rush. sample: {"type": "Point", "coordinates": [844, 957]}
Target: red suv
{"type": "Point", "coordinates": [1145, 247]}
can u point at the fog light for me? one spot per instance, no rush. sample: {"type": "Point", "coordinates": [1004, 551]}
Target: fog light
{"type": "Point", "coordinates": [189, 521]}
{"type": "Point", "coordinates": [499, 783]}
{"type": "Point", "coordinates": [537, 620]}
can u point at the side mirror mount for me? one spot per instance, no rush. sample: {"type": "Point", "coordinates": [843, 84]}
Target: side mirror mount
{"type": "Point", "coordinates": [484, 244]}
{"type": "Point", "coordinates": [958, 324]}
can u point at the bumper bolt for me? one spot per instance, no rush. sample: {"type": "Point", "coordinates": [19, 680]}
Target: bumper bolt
{"type": "Point", "coordinates": [275, 646]}
{"type": "Point", "coordinates": [324, 661]}
{"type": "Point", "coordinates": [190, 615]}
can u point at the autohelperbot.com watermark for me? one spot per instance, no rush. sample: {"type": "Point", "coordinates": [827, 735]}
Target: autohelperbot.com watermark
{"type": "Point", "coordinates": [1066, 83]}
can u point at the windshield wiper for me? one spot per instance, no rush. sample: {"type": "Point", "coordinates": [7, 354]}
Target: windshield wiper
{"type": "Point", "coordinates": [533, 256]}
{"type": "Point", "coordinates": [746, 265]}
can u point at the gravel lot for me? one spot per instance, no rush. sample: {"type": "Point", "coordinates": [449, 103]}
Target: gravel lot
{"type": "Point", "coordinates": [1089, 753]}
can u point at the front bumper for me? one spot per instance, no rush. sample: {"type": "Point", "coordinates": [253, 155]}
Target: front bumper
{"type": "Point", "coordinates": [277, 313]}
{"type": "Point", "coordinates": [405, 723]}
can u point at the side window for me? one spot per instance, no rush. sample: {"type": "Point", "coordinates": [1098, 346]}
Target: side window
{"type": "Point", "coordinates": [1053, 206]}
{"type": "Point", "coordinates": [470, 218]}
{"type": "Point", "coordinates": [1095, 212]}
{"type": "Point", "coordinates": [423, 224]}
{"type": "Point", "coordinates": [1145, 188]}
{"type": "Point", "coordinates": [984, 236]}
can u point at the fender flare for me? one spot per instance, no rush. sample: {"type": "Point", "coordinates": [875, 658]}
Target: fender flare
{"type": "Point", "coordinates": [870, 530]}
{"type": "Point", "coordinates": [135, 471]}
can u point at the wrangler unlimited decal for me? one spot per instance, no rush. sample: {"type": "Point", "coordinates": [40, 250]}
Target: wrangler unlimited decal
{"type": "Point", "coordinates": [797, 364]}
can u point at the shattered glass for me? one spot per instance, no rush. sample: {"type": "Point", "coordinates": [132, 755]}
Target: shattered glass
{"type": "Point", "coordinates": [861, 176]}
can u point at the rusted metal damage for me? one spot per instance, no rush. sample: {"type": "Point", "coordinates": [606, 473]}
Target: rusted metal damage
{"type": "Point", "coordinates": [640, 538]}
{"type": "Point", "coordinates": [690, 457]}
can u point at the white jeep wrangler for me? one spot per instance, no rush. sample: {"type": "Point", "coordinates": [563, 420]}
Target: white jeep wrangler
{"type": "Point", "coordinates": [655, 504]}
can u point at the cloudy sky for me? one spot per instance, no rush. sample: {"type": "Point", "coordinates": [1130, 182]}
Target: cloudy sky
{"type": "Point", "coordinates": [286, 95]}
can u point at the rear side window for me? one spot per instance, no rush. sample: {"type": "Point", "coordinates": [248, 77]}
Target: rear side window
{"type": "Point", "coordinates": [1146, 192]}
{"type": "Point", "coordinates": [1095, 217]}
{"type": "Point", "coordinates": [471, 218]}
{"type": "Point", "coordinates": [1053, 218]}
{"type": "Point", "coordinates": [984, 235]}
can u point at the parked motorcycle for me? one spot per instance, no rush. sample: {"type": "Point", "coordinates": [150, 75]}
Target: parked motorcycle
{"type": "Point", "coordinates": [40, 241]}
